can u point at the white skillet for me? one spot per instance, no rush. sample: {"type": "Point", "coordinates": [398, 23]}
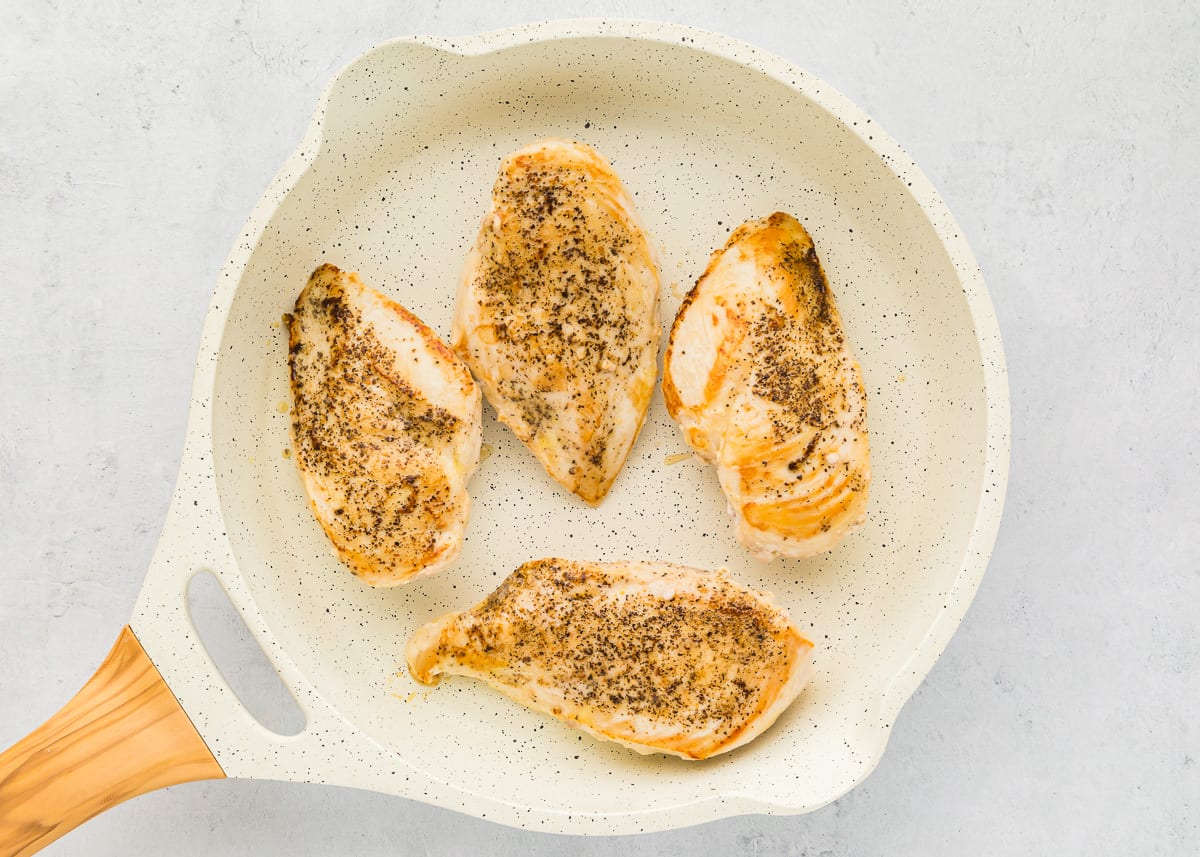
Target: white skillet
{"type": "Point", "coordinates": [391, 181]}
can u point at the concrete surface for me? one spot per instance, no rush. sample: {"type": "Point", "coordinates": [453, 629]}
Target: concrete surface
{"type": "Point", "coordinates": [135, 138]}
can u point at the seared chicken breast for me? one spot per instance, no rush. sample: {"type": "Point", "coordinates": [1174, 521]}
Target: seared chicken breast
{"type": "Point", "coordinates": [760, 377]}
{"type": "Point", "coordinates": [659, 658]}
{"type": "Point", "coordinates": [557, 312]}
{"type": "Point", "coordinates": [385, 426]}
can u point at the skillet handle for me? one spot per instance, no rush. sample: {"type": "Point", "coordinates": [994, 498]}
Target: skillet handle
{"type": "Point", "coordinates": [122, 735]}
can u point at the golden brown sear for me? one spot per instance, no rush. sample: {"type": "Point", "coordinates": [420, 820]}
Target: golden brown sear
{"type": "Point", "coordinates": [385, 426]}
{"type": "Point", "coordinates": [660, 658]}
{"type": "Point", "coordinates": [557, 312]}
{"type": "Point", "coordinates": [760, 377]}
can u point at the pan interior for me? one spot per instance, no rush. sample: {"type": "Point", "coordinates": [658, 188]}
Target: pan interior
{"type": "Point", "coordinates": [412, 140]}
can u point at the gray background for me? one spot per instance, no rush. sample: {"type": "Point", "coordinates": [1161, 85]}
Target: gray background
{"type": "Point", "coordinates": [136, 137]}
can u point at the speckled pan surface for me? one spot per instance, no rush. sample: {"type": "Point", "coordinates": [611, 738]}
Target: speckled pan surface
{"type": "Point", "coordinates": [391, 181]}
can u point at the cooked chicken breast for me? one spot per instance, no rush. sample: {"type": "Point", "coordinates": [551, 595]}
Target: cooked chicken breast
{"type": "Point", "coordinates": [386, 429]}
{"type": "Point", "coordinates": [760, 377]}
{"type": "Point", "coordinates": [558, 312]}
{"type": "Point", "coordinates": [659, 658]}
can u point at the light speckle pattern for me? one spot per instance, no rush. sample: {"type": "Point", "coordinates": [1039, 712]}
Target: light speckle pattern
{"type": "Point", "coordinates": [411, 129]}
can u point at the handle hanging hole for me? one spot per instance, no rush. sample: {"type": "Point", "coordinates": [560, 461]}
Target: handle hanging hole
{"type": "Point", "coordinates": [240, 660]}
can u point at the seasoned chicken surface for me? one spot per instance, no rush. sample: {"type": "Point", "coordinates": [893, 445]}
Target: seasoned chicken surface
{"type": "Point", "coordinates": [386, 429]}
{"type": "Point", "coordinates": [659, 658]}
{"type": "Point", "coordinates": [760, 377]}
{"type": "Point", "coordinates": [557, 312]}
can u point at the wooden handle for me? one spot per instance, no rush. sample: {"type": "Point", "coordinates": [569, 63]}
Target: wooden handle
{"type": "Point", "coordinates": [122, 735]}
